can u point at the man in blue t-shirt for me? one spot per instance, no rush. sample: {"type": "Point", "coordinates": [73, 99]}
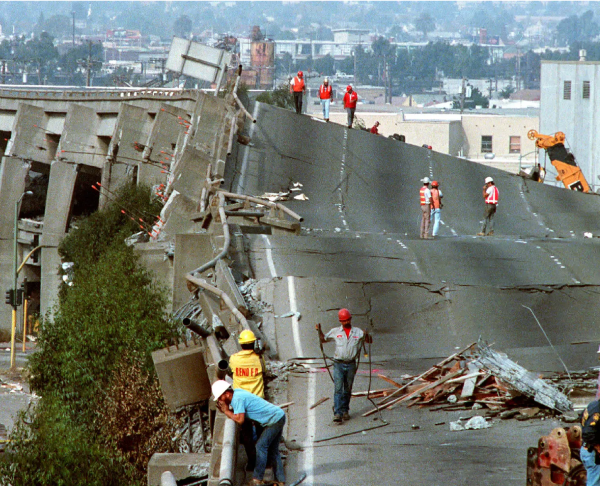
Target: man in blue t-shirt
{"type": "Point", "coordinates": [238, 405]}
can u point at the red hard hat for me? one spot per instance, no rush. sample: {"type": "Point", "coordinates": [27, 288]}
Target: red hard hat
{"type": "Point", "coordinates": [300, 74]}
{"type": "Point", "coordinates": [344, 315]}
{"type": "Point", "coordinates": [348, 88]}
{"type": "Point", "coordinates": [435, 184]}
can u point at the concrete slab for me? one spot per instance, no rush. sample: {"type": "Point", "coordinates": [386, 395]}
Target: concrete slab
{"type": "Point", "coordinates": [79, 142]}
{"type": "Point", "coordinates": [179, 464]}
{"type": "Point", "coordinates": [29, 138]}
{"type": "Point", "coordinates": [191, 251]}
{"type": "Point", "coordinates": [182, 374]}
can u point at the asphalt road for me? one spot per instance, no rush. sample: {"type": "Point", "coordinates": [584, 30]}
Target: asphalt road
{"type": "Point", "coordinates": [422, 300]}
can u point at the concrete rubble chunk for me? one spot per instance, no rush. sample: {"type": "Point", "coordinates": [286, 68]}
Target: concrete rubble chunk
{"type": "Point", "coordinates": [520, 379]}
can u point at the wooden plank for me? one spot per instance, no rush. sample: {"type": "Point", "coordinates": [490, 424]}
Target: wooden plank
{"type": "Point", "coordinates": [391, 404]}
{"type": "Point", "coordinates": [426, 373]}
{"type": "Point", "coordinates": [469, 386]}
{"type": "Point", "coordinates": [389, 380]}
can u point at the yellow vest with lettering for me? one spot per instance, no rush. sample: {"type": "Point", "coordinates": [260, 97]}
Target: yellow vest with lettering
{"type": "Point", "coordinates": [247, 368]}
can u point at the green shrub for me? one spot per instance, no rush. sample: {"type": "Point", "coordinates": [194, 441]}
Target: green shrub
{"type": "Point", "coordinates": [112, 310]}
{"type": "Point", "coordinates": [51, 448]}
{"type": "Point", "coordinates": [280, 97]}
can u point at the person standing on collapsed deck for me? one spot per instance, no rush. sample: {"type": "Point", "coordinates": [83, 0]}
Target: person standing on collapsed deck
{"type": "Point", "coordinates": [348, 341]}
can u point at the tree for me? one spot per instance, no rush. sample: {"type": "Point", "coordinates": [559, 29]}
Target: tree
{"type": "Point", "coordinates": [324, 65]}
{"type": "Point", "coordinates": [425, 24]}
{"type": "Point", "coordinates": [506, 92]}
{"type": "Point", "coordinates": [182, 26]}
{"type": "Point", "coordinates": [280, 97]}
{"type": "Point", "coordinates": [284, 64]}
{"type": "Point", "coordinates": [576, 29]}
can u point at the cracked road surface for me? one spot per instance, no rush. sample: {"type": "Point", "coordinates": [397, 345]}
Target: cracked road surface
{"type": "Point", "coordinates": [422, 300]}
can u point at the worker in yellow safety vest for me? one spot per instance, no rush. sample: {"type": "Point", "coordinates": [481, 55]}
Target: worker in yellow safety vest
{"type": "Point", "coordinates": [247, 368]}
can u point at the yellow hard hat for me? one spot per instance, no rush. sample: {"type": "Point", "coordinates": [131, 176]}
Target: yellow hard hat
{"type": "Point", "coordinates": [247, 337]}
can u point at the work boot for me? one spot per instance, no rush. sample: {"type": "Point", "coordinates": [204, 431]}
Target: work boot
{"type": "Point", "coordinates": [346, 416]}
{"type": "Point", "coordinates": [480, 234]}
{"type": "Point", "coordinates": [337, 418]}
{"type": "Point", "coordinates": [491, 233]}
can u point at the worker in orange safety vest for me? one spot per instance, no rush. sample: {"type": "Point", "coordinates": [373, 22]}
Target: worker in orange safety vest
{"type": "Point", "coordinates": [425, 201]}
{"type": "Point", "coordinates": [350, 99]}
{"type": "Point", "coordinates": [490, 196]}
{"type": "Point", "coordinates": [298, 88]}
{"type": "Point", "coordinates": [247, 367]}
{"type": "Point", "coordinates": [325, 92]}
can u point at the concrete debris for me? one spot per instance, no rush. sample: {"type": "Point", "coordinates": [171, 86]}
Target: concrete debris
{"type": "Point", "coordinates": [194, 435]}
{"type": "Point", "coordinates": [252, 291]}
{"type": "Point", "coordinates": [478, 378]}
{"type": "Point", "coordinates": [456, 426]}
{"type": "Point", "coordinates": [301, 197]}
{"type": "Point", "coordinates": [139, 237]}
{"type": "Point", "coordinates": [296, 314]}
{"type": "Point", "coordinates": [588, 235]}
{"type": "Point", "coordinates": [476, 423]}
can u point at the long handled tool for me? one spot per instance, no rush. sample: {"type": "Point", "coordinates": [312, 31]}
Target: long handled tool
{"type": "Point", "coordinates": [318, 328]}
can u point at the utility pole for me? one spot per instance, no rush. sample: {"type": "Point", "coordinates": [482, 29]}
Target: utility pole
{"type": "Point", "coordinates": [89, 64]}
{"type": "Point", "coordinates": [462, 95]}
{"type": "Point", "coordinates": [3, 71]}
{"type": "Point", "coordinates": [73, 13]}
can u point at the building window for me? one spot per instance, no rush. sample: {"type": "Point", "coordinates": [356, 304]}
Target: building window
{"type": "Point", "coordinates": [586, 90]}
{"type": "Point", "coordinates": [567, 90]}
{"type": "Point", "coordinates": [486, 144]}
{"type": "Point", "coordinates": [515, 145]}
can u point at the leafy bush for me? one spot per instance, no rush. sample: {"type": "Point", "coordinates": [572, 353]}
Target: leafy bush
{"type": "Point", "coordinates": [280, 97]}
{"type": "Point", "coordinates": [110, 319]}
{"type": "Point", "coordinates": [51, 447]}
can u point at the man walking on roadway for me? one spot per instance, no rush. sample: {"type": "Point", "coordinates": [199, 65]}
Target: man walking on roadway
{"type": "Point", "coordinates": [240, 405]}
{"type": "Point", "coordinates": [490, 196]}
{"type": "Point", "coordinates": [325, 91]}
{"type": "Point", "coordinates": [425, 200]}
{"type": "Point", "coordinates": [350, 99]}
{"type": "Point", "coordinates": [436, 207]}
{"type": "Point", "coordinates": [590, 449]}
{"type": "Point", "coordinates": [298, 88]}
{"type": "Point", "coordinates": [348, 342]}
{"type": "Point", "coordinates": [247, 368]}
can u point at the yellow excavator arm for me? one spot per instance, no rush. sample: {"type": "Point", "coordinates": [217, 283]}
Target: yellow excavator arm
{"type": "Point", "coordinates": [564, 162]}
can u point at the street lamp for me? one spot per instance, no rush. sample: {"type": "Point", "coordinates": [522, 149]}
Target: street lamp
{"type": "Point", "coordinates": [15, 279]}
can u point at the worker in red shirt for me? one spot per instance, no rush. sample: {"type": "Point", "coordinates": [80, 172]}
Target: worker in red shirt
{"type": "Point", "coordinates": [297, 88]}
{"type": "Point", "coordinates": [350, 99]}
{"type": "Point", "coordinates": [325, 97]}
{"type": "Point", "coordinates": [374, 128]}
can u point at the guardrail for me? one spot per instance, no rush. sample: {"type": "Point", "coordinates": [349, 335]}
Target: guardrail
{"type": "Point", "coordinates": [99, 94]}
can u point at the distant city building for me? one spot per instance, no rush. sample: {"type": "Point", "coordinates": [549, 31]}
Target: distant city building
{"type": "Point", "coordinates": [569, 103]}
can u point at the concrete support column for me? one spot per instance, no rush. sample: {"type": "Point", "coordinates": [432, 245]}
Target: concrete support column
{"type": "Point", "coordinates": [13, 173]}
{"type": "Point", "coordinates": [58, 206]}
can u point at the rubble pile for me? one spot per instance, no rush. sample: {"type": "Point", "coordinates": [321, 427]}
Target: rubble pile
{"type": "Point", "coordinates": [252, 290]}
{"type": "Point", "coordinates": [477, 378]}
{"type": "Point", "coordinates": [194, 435]}
{"type": "Point", "coordinates": [276, 376]}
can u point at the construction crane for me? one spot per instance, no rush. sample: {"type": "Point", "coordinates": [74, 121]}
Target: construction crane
{"type": "Point", "coordinates": [568, 171]}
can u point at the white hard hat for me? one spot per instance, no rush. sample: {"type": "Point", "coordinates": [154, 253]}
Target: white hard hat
{"type": "Point", "coordinates": [219, 387]}
{"type": "Point", "coordinates": [488, 179]}
{"type": "Point", "coordinates": [425, 180]}
{"type": "Point", "coordinates": [326, 80]}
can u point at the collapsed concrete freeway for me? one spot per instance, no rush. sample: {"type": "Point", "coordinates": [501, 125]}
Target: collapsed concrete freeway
{"type": "Point", "coordinates": [359, 248]}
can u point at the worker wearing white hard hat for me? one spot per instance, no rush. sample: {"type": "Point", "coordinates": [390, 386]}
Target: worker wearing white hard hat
{"type": "Point", "coordinates": [325, 92]}
{"type": "Point", "coordinates": [490, 196]}
{"type": "Point", "coordinates": [240, 405]}
{"type": "Point", "coordinates": [425, 201]}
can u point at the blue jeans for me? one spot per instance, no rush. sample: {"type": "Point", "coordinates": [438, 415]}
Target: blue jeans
{"type": "Point", "coordinates": [325, 104]}
{"type": "Point", "coordinates": [593, 470]}
{"type": "Point", "coordinates": [350, 112]}
{"type": "Point", "coordinates": [267, 450]}
{"type": "Point", "coordinates": [343, 378]}
{"type": "Point", "coordinates": [436, 214]}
